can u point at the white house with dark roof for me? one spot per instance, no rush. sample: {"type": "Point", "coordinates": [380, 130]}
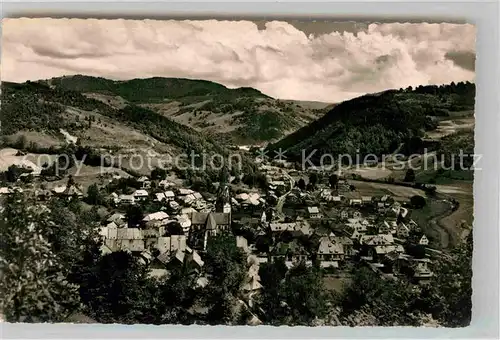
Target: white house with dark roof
{"type": "Point", "coordinates": [140, 194]}
{"type": "Point", "coordinates": [169, 195]}
{"type": "Point", "coordinates": [313, 212]}
{"type": "Point", "coordinates": [355, 201]}
{"type": "Point", "coordinates": [160, 197]}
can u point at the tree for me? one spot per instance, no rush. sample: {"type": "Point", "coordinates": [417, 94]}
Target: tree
{"type": "Point", "coordinates": [334, 180]}
{"type": "Point", "coordinates": [94, 196]}
{"type": "Point", "coordinates": [387, 302]}
{"type": "Point", "coordinates": [177, 294]}
{"type": "Point", "coordinates": [305, 294]}
{"type": "Point", "coordinates": [115, 288]}
{"type": "Point", "coordinates": [452, 285]}
{"type": "Point", "coordinates": [410, 175]}
{"type": "Point", "coordinates": [294, 297]}
{"type": "Point", "coordinates": [271, 302]}
{"type": "Point", "coordinates": [174, 228]}
{"type": "Point", "coordinates": [71, 181]}
{"type": "Point", "coordinates": [313, 179]}
{"type": "Point", "coordinates": [418, 202]}
{"type": "Point", "coordinates": [33, 283]}
{"type": "Point", "coordinates": [225, 266]}
{"type": "Point", "coordinates": [134, 215]}
{"type": "Point", "coordinates": [158, 174]}
{"type": "Point", "coordinates": [301, 184]}
{"type": "Point", "coordinates": [14, 172]}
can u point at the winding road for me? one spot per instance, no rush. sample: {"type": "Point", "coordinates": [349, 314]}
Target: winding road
{"type": "Point", "coordinates": [281, 199]}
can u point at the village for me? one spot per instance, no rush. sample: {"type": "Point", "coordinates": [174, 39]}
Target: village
{"type": "Point", "coordinates": [322, 223]}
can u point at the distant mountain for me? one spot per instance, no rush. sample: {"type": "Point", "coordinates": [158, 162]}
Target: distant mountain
{"type": "Point", "coordinates": [153, 90]}
{"type": "Point", "coordinates": [241, 116]}
{"type": "Point", "coordinates": [379, 123]}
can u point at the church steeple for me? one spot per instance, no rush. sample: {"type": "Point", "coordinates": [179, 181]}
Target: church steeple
{"type": "Point", "coordinates": [223, 203]}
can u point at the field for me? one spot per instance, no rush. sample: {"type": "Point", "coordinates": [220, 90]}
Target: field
{"type": "Point", "coordinates": [449, 126]}
{"type": "Point", "coordinates": [378, 189]}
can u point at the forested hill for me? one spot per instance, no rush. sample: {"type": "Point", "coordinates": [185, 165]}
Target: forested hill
{"type": "Point", "coordinates": [152, 90]}
{"type": "Point", "coordinates": [35, 107]}
{"type": "Point", "coordinates": [237, 116]}
{"type": "Point", "coordinates": [379, 123]}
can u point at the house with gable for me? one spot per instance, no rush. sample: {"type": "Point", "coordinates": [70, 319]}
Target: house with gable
{"type": "Point", "coordinates": [313, 212]}
{"type": "Point", "coordinates": [140, 195]}
{"type": "Point", "coordinates": [424, 241]}
{"type": "Point", "coordinates": [330, 252]}
{"type": "Point", "coordinates": [402, 231]}
{"type": "Point", "coordinates": [376, 246]}
{"type": "Point", "coordinates": [145, 182]}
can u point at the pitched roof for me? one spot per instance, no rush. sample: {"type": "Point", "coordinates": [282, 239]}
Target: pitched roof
{"type": "Point", "coordinates": [157, 216]}
{"type": "Point", "coordinates": [380, 239]}
{"type": "Point", "coordinates": [140, 192]}
{"type": "Point", "coordinates": [385, 249]}
{"type": "Point", "coordinates": [252, 284]}
{"type": "Point", "coordinates": [169, 194]}
{"type": "Point", "coordinates": [218, 218]}
{"type": "Point", "coordinates": [197, 259]}
{"type": "Point", "coordinates": [313, 210]}
{"type": "Point", "coordinates": [180, 255]}
{"type": "Point", "coordinates": [163, 244]}
{"type": "Point", "coordinates": [282, 226]}
{"type": "Point", "coordinates": [131, 245]}
{"type": "Point", "coordinates": [183, 191]}
{"type": "Point", "coordinates": [129, 234]}
{"type": "Point", "coordinates": [127, 198]}
{"type": "Point", "coordinates": [329, 246]}
{"type": "Point", "coordinates": [211, 224]}
{"type": "Point", "coordinates": [116, 217]}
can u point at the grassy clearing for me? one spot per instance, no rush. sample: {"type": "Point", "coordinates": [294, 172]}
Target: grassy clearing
{"type": "Point", "coordinates": [335, 283]}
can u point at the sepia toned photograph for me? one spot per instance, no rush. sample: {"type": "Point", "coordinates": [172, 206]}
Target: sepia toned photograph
{"type": "Point", "coordinates": [237, 172]}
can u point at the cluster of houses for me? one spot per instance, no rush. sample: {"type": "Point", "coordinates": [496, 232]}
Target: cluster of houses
{"type": "Point", "coordinates": [178, 233]}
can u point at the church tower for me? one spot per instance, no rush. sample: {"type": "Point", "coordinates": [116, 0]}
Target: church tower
{"type": "Point", "coordinates": [223, 203]}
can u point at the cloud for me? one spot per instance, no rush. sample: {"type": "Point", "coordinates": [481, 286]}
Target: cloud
{"type": "Point", "coordinates": [276, 58]}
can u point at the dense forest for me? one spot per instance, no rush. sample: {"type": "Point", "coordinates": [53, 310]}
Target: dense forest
{"type": "Point", "coordinates": [379, 123]}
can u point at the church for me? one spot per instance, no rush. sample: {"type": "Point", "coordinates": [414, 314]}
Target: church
{"type": "Point", "coordinates": [207, 224]}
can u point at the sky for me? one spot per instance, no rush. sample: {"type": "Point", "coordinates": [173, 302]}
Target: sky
{"type": "Point", "coordinates": [313, 61]}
